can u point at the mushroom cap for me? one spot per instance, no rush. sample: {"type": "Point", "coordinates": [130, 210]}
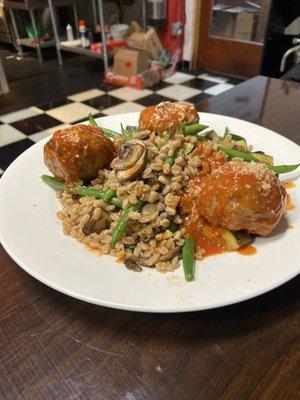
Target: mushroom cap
{"type": "Point", "coordinates": [130, 161]}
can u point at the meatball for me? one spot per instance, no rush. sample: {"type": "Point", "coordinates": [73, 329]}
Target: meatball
{"type": "Point", "coordinates": [167, 116]}
{"type": "Point", "coordinates": [78, 152]}
{"type": "Point", "coordinates": [240, 195]}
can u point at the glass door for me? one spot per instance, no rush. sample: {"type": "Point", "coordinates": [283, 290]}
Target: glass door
{"type": "Point", "coordinates": [232, 35]}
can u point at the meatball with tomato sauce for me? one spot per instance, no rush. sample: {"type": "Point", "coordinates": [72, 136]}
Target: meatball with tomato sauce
{"type": "Point", "coordinates": [167, 117]}
{"type": "Point", "coordinates": [77, 153]}
{"type": "Point", "coordinates": [238, 196]}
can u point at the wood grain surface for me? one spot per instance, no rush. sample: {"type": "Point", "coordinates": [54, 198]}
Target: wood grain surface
{"type": "Point", "coordinates": [56, 347]}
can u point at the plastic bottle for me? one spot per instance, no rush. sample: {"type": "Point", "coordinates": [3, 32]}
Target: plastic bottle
{"type": "Point", "coordinates": [82, 30]}
{"type": "Point", "coordinates": [70, 35]}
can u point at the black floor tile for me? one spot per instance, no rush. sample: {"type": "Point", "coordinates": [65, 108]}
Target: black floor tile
{"type": "Point", "coordinates": [152, 99]}
{"type": "Point", "coordinates": [199, 97]}
{"type": "Point", "coordinates": [198, 83]}
{"type": "Point", "coordinates": [106, 86]}
{"type": "Point", "coordinates": [11, 151]}
{"type": "Point", "coordinates": [35, 124]}
{"type": "Point", "coordinates": [235, 81]}
{"type": "Point", "coordinates": [104, 101]}
{"type": "Point", "coordinates": [160, 85]}
{"type": "Point", "coordinates": [53, 104]}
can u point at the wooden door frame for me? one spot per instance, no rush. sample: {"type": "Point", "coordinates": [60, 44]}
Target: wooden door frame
{"type": "Point", "coordinates": [224, 55]}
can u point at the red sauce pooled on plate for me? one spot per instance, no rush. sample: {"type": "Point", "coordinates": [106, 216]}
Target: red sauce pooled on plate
{"type": "Point", "coordinates": [247, 250]}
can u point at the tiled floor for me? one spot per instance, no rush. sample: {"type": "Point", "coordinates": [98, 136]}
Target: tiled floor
{"type": "Point", "coordinates": [21, 129]}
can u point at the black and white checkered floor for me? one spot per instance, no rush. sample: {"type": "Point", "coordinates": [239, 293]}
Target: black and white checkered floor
{"type": "Point", "coordinates": [21, 129]}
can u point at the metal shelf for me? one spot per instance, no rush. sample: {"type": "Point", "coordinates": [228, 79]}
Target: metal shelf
{"type": "Point", "coordinates": [29, 43]}
{"type": "Point", "coordinates": [82, 50]}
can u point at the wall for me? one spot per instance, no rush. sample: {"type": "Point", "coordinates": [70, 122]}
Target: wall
{"type": "Point", "coordinates": [188, 29]}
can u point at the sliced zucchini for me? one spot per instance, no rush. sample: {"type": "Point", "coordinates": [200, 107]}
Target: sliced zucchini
{"type": "Point", "coordinates": [235, 240]}
{"type": "Point", "coordinates": [225, 238]}
{"type": "Point", "coordinates": [237, 137]}
{"type": "Point", "coordinates": [230, 241]}
{"type": "Point", "coordinates": [243, 237]}
{"type": "Point", "coordinates": [233, 136]}
{"type": "Point", "coordinates": [187, 147]}
{"type": "Point", "coordinates": [241, 144]}
{"type": "Point", "coordinates": [263, 158]}
{"type": "Point", "coordinates": [214, 136]}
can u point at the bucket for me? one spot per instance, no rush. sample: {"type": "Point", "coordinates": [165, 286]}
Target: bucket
{"type": "Point", "coordinates": [118, 31]}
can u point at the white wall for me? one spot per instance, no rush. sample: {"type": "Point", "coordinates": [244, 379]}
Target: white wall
{"type": "Point", "coordinates": [188, 29]}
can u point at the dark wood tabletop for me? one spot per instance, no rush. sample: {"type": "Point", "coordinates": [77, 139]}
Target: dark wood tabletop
{"type": "Point", "coordinates": [56, 347]}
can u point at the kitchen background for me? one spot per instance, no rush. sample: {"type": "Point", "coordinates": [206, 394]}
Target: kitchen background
{"type": "Point", "coordinates": [55, 67]}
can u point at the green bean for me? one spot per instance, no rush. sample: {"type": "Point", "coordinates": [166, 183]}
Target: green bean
{"type": "Point", "coordinates": [108, 132]}
{"type": "Point", "coordinates": [188, 258]}
{"type": "Point", "coordinates": [132, 128]}
{"type": "Point", "coordinates": [121, 225]}
{"type": "Point", "coordinates": [114, 201]}
{"type": "Point", "coordinates": [282, 169]}
{"type": "Point", "coordinates": [92, 120]}
{"type": "Point", "coordinates": [233, 136]}
{"type": "Point", "coordinates": [193, 129]}
{"type": "Point", "coordinates": [79, 190]}
{"type": "Point", "coordinates": [234, 153]}
{"type": "Point", "coordinates": [170, 160]}
{"type": "Point", "coordinates": [109, 194]}
{"type": "Point", "coordinates": [279, 169]}
{"type": "Point", "coordinates": [127, 134]}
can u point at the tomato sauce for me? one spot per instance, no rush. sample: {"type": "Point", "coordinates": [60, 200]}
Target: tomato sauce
{"type": "Point", "coordinates": [208, 238]}
{"type": "Point", "coordinates": [289, 185]}
{"type": "Point", "coordinates": [247, 250]}
{"type": "Point", "coordinates": [289, 204]}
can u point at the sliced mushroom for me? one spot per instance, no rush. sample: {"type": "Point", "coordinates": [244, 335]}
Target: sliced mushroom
{"type": "Point", "coordinates": [130, 161]}
{"type": "Point", "coordinates": [96, 226]}
{"type": "Point", "coordinates": [149, 213]}
{"type": "Point", "coordinates": [145, 135]}
{"type": "Point", "coordinates": [150, 262]}
{"type": "Point", "coordinates": [131, 263]}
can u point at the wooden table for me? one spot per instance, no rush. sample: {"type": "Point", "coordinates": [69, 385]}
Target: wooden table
{"type": "Point", "coordinates": [55, 347]}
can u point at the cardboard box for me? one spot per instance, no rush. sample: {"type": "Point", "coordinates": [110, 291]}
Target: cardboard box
{"type": "Point", "coordinates": [145, 79]}
{"type": "Point", "coordinates": [130, 62]}
{"type": "Point", "coordinates": [148, 41]}
{"type": "Point", "coordinates": [244, 25]}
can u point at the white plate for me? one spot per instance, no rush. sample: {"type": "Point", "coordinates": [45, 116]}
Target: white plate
{"type": "Point", "coordinates": [32, 236]}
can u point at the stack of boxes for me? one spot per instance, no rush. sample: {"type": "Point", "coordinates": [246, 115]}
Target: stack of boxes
{"type": "Point", "coordinates": [137, 65]}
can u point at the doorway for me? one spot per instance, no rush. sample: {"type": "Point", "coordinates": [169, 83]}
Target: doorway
{"type": "Point", "coordinates": [231, 35]}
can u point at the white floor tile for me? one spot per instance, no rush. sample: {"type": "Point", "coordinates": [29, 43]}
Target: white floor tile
{"type": "Point", "coordinates": [129, 94]}
{"type": "Point", "coordinates": [217, 89]}
{"type": "Point", "coordinates": [212, 78]}
{"type": "Point", "coordinates": [125, 107]}
{"type": "Point", "coordinates": [9, 134]}
{"type": "Point", "coordinates": [88, 94]}
{"type": "Point", "coordinates": [36, 137]}
{"type": "Point", "coordinates": [179, 77]}
{"type": "Point", "coordinates": [21, 114]}
{"type": "Point", "coordinates": [178, 92]}
{"type": "Point", "coordinates": [71, 112]}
